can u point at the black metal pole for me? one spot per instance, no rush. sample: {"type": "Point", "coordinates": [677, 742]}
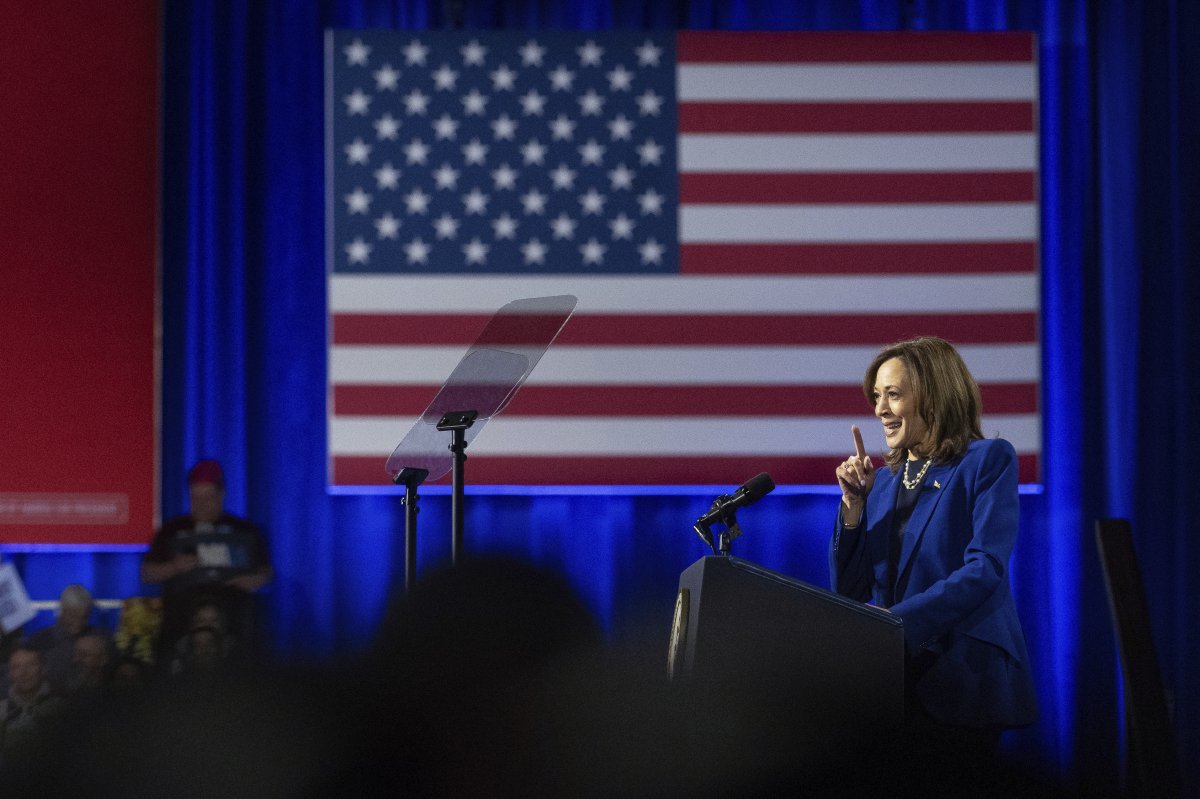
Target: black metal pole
{"type": "Point", "coordinates": [457, 497]}
{"type": "Point", "coordinates": [411, 478]}
{"type": "Point", "coordinates": [457, 423]}
{"type": "Point", "coordinates": [410, 537]}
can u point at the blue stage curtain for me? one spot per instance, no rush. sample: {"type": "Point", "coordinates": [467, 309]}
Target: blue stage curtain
{"type": "Point", "coordinates": [243, 279]}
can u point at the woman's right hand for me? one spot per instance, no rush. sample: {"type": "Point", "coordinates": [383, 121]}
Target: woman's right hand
{"type": "Point", "coordinates": [855, 476]}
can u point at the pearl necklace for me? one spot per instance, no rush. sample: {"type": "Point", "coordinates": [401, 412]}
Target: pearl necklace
{"type": "Point", "coordinates": [916, 481]}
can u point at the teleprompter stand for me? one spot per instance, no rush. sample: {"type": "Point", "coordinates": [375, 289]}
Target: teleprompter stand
{"type": "Point", "coordinates": [481, 385]}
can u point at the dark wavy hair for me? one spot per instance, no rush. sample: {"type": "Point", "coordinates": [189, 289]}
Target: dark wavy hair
{"type": "Point", "coordinates": [945, 394]}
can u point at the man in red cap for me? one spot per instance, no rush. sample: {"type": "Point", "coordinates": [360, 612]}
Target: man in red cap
{"type": "Point", "coordinates": [207, 556]}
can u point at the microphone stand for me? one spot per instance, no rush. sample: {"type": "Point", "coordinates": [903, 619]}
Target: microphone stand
{"type": "Point", "coordinates": [728, 517]}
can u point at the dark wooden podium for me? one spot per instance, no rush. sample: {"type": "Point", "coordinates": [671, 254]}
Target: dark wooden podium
{"type": "Point", "coordinates": [829, 667]}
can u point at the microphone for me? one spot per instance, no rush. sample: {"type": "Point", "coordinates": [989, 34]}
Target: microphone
{"type": "Point", "coordinates": [751, 491]}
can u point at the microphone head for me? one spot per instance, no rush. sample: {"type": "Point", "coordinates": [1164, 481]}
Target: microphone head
{"type": "Point", "coordinates": [758, 487]}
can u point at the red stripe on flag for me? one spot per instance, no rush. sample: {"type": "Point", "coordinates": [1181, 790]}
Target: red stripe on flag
{"type": "Point", "coordinates": [917, 117]}
{"type": "Point", "coordinates": [699, 330]}
{"type": "Point", "coordinates": [855, 187]}
{"type": "Point", "coordinates": [628, 470]}
{"type": "Point", "coordinates": [886, 258]}
{"type": "Point", "coordinates": [725, 47]}
{"type": "Point", "coordinates": [535, 400]}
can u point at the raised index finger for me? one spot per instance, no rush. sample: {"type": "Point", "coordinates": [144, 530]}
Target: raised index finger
{"type": "Point", "coordinates": [859, 449]}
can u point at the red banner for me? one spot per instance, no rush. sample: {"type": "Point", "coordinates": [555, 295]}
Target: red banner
{"type": "Point", "coordinates": [78, 255]}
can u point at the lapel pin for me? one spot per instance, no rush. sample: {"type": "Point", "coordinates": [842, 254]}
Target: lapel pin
{"type": "Point", "coordinates": [936, 484]}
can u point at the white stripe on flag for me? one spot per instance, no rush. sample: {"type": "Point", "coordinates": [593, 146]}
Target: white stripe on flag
{"type": "Point", "coordinates": [857, 82]}
{"type": "Point", "coordinates": [858, 152]}
{"type": "Point", "coordinates": [670, 294]}
{"type": "Point", "coordinates": [584, 436]}
{"type": "Point", "coordinates": [850, 223]}
{"type": "Point", "coordinates": [674, 366]}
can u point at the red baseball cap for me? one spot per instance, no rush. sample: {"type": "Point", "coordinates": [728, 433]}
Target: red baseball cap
{"type": "Point", "coordinates": [206, 471]}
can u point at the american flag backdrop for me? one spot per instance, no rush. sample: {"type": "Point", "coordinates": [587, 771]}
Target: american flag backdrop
{"type": "Point", "coordinates": [746, 218]}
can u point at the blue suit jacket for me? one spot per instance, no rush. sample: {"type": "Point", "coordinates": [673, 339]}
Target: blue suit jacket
{"type": "Point", "coordinates": [952, 588]}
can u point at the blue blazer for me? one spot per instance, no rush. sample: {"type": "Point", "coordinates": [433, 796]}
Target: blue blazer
{"type": "Point", "coordinates": [952, 591]}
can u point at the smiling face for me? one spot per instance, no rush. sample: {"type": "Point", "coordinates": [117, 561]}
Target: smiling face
{"type": "Point", "coordinates": [896, 407]}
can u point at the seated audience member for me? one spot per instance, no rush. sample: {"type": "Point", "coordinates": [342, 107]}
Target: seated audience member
{"type": "Point", "coordinates": [91, 661]}
{"type": "Point", "coordinates": [30, 706]}
{"type": "Point", "coordinates": [130, 676]}
{"type": "Point", "coordinates": [57, 642]}
{"type": "Point", "coordinates": [203, 653]}
{"type": "Point", "coordinates": [206, 616]}
{"type": "Point", "coordinates": [207, 555]}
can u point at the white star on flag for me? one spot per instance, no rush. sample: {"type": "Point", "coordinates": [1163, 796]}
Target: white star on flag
{"type": "Point", "coordinates": [474, 103]}
{"type": "Point", "coordinates": [417, 251]}
{"type": "Point", "coordinates": [563, 226]}
{"type": "Point", "coordinates": [620, 79]}
{"type": "Point", "coordinates": [475, 251]}
{"type": "Point", "coordinates": [504, 128]}
{"type": "Point", "coordinates": [357, 152]}
{"type": "Point", "coordinates": [533, 103]}
{"type": "Point", "coordinates": [589, 54]}
{"type": "Point", "coordinates": [416, 103]}
{"type": "Point", "coordinates": [504, 226]}
{"type": "Point", "coordinates": [534, 252]}
{"type": "Point", "coordinates": [473, 53]}
{"type": "Point", "coordinates": [531, 54]}
{"type": "Point", "coordinates": [592, 202]}
{"type": "Point", "coordinates": [621, 177]}
{"type": "Point", "coordinates": [387, 176]}
{"type": "Point", "coordinates": [621, 226]}
{"type": "Point", "coordinates": [651, 251]}
{"type": "Point", "coordinates": [446, 226]}
{"type": "Point", "coordinates": [592, 152]}
{"type": "Point", "coordinates": [592, 251]}
{"type": "Point", "coordinates": [561, 79]}
{"type": "Point", "coordinates": [533, 152]}
{"type": "Point", "coordinates": [563, 177]}
{"type": "Point", "coordinates": [504, 177]}
{"type": "Point", "coordinates": [534, 202]}
{"type": "Point", "coordinates": [503, 79]}
{"type": "Point", "coordinates": [649, 103]}
{"type": "Point", "coordinates": [445, 127]}
{"type": "Point", "coordinates": [416, 152]}
{"type": "Point", "coordinates": [417, 201]}
{"type": "Point", "coordinates": [358, 201]}
{"type": "Point", "coordinates": [387, 127]}
{"type": "Point", "coordinates": [650, 152]}
{"type": "Point", "coordinates": [445, 177]}
{"type": "Point", "coordinates": [357, 102]}
{"type": "Point", "coordinates": [650, 202]}
{"type": "Point", "coordinates": [386, 78]}
{"type": "Point", "coordinates": [358, 251]}
{"type": "Point", "coordinates": [474, 152]}
{"type": "Point", "coordinates": [414, 54]}
{"type": "Point", "coordinates": [591, 104]}
{"type": "Point", "coordinates": [562, 128]}
{"type": "Point", "coordinates": [356, 53]}
{"type": "Point", "coordinates": [388, 226]}
{"type": "Point", "coordinates": [648, 54]}
{"type": "Point", "coordinates": [620, 128]}
{"type": "Point", "coordinates": [475, 202]}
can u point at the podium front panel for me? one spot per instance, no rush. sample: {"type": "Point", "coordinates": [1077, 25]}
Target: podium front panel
{"type": "Point", "coordinates": [796, 650]}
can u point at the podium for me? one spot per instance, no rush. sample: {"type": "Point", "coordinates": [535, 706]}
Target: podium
{"type": "Point", "coordinates": [824, 666]}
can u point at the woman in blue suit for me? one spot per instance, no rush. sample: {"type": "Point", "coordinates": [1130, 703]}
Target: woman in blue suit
{"type": "Point", "coordinates": [929, 539]}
